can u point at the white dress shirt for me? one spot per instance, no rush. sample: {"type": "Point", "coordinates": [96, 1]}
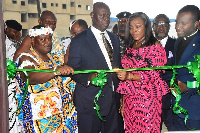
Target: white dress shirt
{"type": "Point", "coordinates": [98, 36]}
{"type": "Point", "coordinates": [10, 48]}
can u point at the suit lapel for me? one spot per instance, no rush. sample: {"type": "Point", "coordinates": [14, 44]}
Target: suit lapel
{"type": "Point", "coordinates": [194, 45]}
{"type": "Point", "coordinates": [96, 49]}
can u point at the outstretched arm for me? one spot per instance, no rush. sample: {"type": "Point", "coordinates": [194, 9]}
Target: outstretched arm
{"type": "Point", "coordinates": [25, 45]}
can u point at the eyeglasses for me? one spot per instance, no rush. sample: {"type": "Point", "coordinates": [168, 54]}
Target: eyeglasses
{"type": "Point", "coordinates": [161, 24]}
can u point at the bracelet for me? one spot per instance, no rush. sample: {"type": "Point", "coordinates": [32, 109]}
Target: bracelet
{"type": "Point", "coordinates": [54, 69]}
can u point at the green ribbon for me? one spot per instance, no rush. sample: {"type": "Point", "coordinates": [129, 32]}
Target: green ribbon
{"type": "Point", "coordinates": [177, 109]}
{"type": "Point", "coordinates": [193, 68]}
{"type": "Point", "coordinates": [11, 71]}
{"type": "Point", "coordinates": [100, 80]}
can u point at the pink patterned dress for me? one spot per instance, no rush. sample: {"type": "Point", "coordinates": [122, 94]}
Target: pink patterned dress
{"type": "Point", "coordinates": [143, 99]}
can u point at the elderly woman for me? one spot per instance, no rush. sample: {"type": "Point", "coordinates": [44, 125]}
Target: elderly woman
{"type": "Point", "coordinates": [44, 108]}
{"type": "Point", "coordinates": [142, 90]}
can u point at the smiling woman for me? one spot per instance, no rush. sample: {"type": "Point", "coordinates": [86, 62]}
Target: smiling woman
{"type": "Point", "coordinates": [47, 102]}
{"type": "Point", "coordinates": [142, 90]}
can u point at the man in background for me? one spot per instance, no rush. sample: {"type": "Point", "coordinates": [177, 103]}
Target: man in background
{"type": "Point", "coordinates": [122, 21]}
{"type": "Point", "coordinates": [47, 19]}
{"type": "Point", "coordinates": [161, 28]}
{"type": "Point", "coordinates": [13, 36]}
{"type": "Point", "coordinates": [76, 27]}
{"type": "Point", "coordinates": [12, 41]}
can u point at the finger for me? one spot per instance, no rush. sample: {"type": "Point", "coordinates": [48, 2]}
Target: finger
{"type": "Point", "coordinates": [72, 71]}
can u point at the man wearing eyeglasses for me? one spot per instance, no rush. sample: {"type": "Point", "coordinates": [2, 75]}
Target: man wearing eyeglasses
{"type": "Point", "coordinates": [161, 28]}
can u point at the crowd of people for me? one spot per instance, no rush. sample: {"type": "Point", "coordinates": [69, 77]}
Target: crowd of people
{"type": "Point", "coordinates": [130, 101]}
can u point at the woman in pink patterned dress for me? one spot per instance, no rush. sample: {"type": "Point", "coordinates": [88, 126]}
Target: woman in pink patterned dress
{"type": "Point", "coordinates": [142, 90]}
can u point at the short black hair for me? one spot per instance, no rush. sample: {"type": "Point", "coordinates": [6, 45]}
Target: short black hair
{"type": "Point", "coordinates": [47, 12]}
{"type": "Point", "coordinates": [82, 23]}
{"type": "Point", "coordinates": [161, 16]}
{"type": "Point", "coordinates": [194, 10]}
{"type": "Point", "coordinates": [99, 4]}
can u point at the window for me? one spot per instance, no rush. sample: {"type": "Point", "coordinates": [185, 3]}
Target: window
{"type": "Point", "coordinates": [56, 4]}
{"type": "Point", "coordinates": [32, 2]}
{"type": "Point", "coordinates": [52, 4]}
{"type": "Point", "coordinates": [32, 15]}
{"type": "Point", "coordinates": [79, 6]}
{"type": "Point", "coordinates": [24, 32]}
{"type": "Point", "coordinates": [72, 17]}
{"type": "Point", "coordinates": [23, 3]}
{"type": "Point", "coordinates": [44, 5]}
{"type": "Point", "coordinates": [14, 1]}
{"type": "Point", "coordinates": [64, 6]}
{"type": "Point", "coordinates": [72, 4]}
{"type": "Point", "coordinates": [87, 7]}
{"type": "Point", "coordinates": [23, 17]}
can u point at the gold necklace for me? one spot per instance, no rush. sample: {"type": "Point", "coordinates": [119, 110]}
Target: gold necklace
{"type": "Point", "coordinates": [141, 42]}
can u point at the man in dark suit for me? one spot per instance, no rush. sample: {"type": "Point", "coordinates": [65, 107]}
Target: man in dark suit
{"type": "Point", "coordinates": [186, 46]}
{"type": "Point", "coordinates": [87, 52]}
{"type": "Point", "coordinates": [161, 28]}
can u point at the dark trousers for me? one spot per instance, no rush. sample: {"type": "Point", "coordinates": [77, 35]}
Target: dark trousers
{"type": "Point", "coordinates": [90, 123]}
{"type": "Point", "coordinates": [179, 124]}
{"type": "Point", "coordinates": [167, 113]}
{"type": "Point", "coordinates": [118, 96]}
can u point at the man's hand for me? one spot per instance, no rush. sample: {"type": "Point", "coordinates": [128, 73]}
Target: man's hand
{"type": "Point", "coordinates": [91, 76]}
{"type": "Point", "coordinates": [182, 86]}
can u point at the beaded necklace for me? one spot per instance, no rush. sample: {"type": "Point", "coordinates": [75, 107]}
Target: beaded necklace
{"type": "Point", "coordinates": [44, 64]}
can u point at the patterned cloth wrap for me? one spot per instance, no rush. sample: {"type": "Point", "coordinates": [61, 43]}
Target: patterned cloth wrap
{"type": "Point", "coordinates": [48, 107]}
{"type": "Point", "coordinates": [143, 99]}
{"type": "Point", "coordinates": [57, 47]}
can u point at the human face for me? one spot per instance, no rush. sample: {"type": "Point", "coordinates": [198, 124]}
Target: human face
{"type": "Point", "coordinates": [161, 28]}
{"type": "Point", "coordinates": [137, 29]}
{"type": "Point", "coordinates": [13, 34]}
{"type": "Point", "coordinates": [185, 25]}
{"type": "Point", "coordinates": [122, 26]}
{"type": "Point", "coordinates": [42, 43]}
{"type": "Point", "coordinates": [48, 20]}
{"type": "Point", "coordinates": [75, 30]}
{"type": "Point", "coordinates": [101, 18]}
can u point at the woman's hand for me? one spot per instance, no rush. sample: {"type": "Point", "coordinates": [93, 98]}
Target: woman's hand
{"type": "Point", "coordinates": [65, 70]}
{"type": "Point", "coordinates": [121, 108]}
{"type": "Point", "coordinates": [122, 75]}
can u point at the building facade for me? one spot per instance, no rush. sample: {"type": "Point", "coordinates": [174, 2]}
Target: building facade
{"type": "Point", "coordinates": [26, 13]}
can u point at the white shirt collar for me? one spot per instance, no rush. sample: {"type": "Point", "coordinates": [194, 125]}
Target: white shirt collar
{"type": "Point", "coordinates": [97, 33]}
{"type": "Point", "coordinates": [164, 41]}
{"type": "Point", "coordinates": [185, 38]}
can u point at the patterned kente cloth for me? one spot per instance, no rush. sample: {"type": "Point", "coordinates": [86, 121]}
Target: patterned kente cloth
{"type": "Point", "coordinates": [57, 47]}
{"type": "Point", "coordinates": [48, 107]}
{"type": "Point", "coordinates": [143, 99]}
